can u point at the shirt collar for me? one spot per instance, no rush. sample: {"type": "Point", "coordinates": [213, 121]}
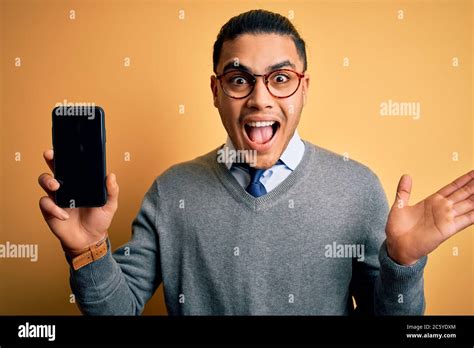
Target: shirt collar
{"type": "Point", "coordinates": [291, 157]}
{"type": "Point", "coordinates": [293, 152]}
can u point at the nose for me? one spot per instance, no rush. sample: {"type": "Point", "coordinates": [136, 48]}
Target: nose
{"type": "Point", "coordinates": [260, 97]}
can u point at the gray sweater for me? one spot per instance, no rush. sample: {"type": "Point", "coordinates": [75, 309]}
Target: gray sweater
{"type": "Point", "coordinates": [305, 248]}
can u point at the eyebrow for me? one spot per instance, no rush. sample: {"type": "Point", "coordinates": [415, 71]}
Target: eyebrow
{"type": "Point", "coordinates": [285, 63]}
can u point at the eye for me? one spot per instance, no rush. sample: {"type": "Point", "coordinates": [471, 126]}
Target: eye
{"type": "Point", "coordinates": [280, 78]}
{"type": "Point", "coordinates": [238, 80]}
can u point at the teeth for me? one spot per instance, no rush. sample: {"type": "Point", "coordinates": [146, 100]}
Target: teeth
{"type": "Point", "coordinates": [261, 124]}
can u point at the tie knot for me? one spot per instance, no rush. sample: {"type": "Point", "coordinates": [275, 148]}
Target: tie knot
{"type": "Point", "coordinates": [255, 174]}
{"type": "Point", "coordinates": [255, 187]}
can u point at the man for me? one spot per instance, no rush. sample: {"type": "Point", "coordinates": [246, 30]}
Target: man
{"type": "Point", "coordinates": [287, 228]}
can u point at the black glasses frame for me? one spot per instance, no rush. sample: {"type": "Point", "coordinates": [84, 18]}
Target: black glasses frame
{"type": "Point", "coordinates": [265, 80]}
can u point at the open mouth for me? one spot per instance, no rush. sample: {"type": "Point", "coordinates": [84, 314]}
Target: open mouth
{"type": "Point", "coordinates": [261, 132]}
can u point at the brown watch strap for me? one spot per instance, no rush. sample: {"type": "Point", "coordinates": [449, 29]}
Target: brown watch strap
{"type": "Point", "coordinates": [90, 254]}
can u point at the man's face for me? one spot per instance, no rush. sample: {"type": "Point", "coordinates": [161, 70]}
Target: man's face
{"type": "Point", "coordinates": [259, 53]}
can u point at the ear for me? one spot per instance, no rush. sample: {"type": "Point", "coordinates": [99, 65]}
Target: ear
{"type": "Point", "coordinates": [305, 87]}
{"type": "Point", "coordinates": [214, 89]}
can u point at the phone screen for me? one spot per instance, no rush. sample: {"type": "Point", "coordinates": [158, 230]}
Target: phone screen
{"type": "Point", "coordinates": [79, 156]}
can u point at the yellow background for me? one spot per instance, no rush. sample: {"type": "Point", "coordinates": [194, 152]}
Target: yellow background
{"type": "Point", "coordinates": [82, 60]}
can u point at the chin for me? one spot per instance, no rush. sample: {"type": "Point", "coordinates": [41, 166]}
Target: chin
{"type": "Point", "coordinates": [265, 161]}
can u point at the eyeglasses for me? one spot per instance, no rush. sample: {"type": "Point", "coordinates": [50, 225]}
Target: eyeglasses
{"type": "Point", "coordinates": [239, 84]}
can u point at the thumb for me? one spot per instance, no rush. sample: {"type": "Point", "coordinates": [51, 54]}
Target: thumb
{"type": "Point", "coordinates": [112, 193]}
{"type": "Point", "coordinates": [403, 191]}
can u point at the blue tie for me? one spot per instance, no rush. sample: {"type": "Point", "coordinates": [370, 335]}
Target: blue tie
{"type": "Point", "coordinates": [255, 187]}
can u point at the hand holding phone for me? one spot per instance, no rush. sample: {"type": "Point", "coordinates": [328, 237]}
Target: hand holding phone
{"type": "Point", "coordinates": [81, 200]}
{"type": "Point", "coordinates": [76, 228]}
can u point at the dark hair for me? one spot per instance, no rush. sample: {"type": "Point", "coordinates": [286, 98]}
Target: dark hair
{"type": "Point", "coordinates": [258, 22]}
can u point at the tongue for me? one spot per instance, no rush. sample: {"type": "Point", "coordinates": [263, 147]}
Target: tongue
{"type": "Point", "coordinates": [260, 135]}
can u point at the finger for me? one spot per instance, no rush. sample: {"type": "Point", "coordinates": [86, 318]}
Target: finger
{"type": "Point", "coordinates": [49, 158]}
{"type": "Point", "coordinates": [464, 206]}
{"type": "Point", "coordinates": [50, 210]}
{"type": "Point", "coordinates": [48, 183]}
{"type": "Point", "coordinates": [464, 221]}
{"type": "Point", "coordinates": [457, 184]}
{"type": "Point", "coordinates": [112, 193]}
{"type": "Point", "coordinates": [462, 193]}
{"type": "Point", "coordinates": [403, 191]}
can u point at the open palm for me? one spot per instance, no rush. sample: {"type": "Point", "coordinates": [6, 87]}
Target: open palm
{"type": "Point", "coordinates": [415, 231]}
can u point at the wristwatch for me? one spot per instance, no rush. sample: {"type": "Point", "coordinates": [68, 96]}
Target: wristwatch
{"type": "Point", "coordinates": [89, 254]}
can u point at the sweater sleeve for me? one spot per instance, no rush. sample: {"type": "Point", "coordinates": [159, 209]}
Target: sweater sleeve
{"type": "Point", "coordinates": [120, 283]}
{"type": "Point", "coordinates": [379, 285]}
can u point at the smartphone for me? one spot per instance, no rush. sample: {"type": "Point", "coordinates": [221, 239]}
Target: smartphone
{"type": "Point", "coordinates": [79, 155]}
